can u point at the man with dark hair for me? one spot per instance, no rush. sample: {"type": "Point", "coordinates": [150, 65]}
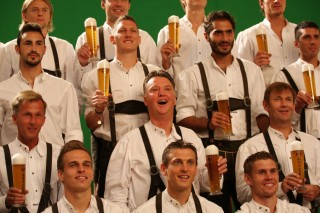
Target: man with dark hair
{"type": "Point", "coordinates": [307, 41]}
{"type": "Point", "coordinates": [126, 80]}
{"type": "Point", "coordinates": [62, 123]}
{"type": "Point", "coordinates": [179, 166]}
{"type": "Point", "coordinates": [280, 38]}
{"type": "Point", "coordinates": [75, 171]}
{"type": "Point", "coordinates": [222, 72]}
{"type": "Point", "coordinates": [59, 58]}
{"type": "Point", "coordinates": [279, 102]}
{"type": "Point", "coordinates": [29, 115]}
{"type": "Point", "coordinates": [261, 174]}
{"type": "Point", "coordinates": [138, 153]}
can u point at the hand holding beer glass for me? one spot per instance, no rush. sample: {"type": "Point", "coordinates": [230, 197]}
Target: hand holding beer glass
{"type": "Point", "coordinates": [310, 84]}
{"type": "Point", "coordinates": [261, 37]}
{"type": "Point", "coordinates": [103, 72]}
{"type": "Point", "coordinates": [19, 173]}
{"type": "Point", "coordinates": [212, 155]}
{"type": "Point", "coordinates": [174, 31]}
{"type": "Point", "coordinates": [92, 39]}
{"type": "Point", "coordinates": [297, 157]}
{"type": "Point", "coordinates": [222, 99]}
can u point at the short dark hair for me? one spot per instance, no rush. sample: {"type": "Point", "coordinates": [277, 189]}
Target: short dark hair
{"type": "Point", "coordinates": [177, 145]}
{"type": "Point", "coordinates": [29, 27]}
{"type": "Point", "coordinates": [278, 87]}
{"type": "Point", "coordinates": [68, 147]}
{"type": "Point", "coordinates": [303, 25]}
{"type": "Point", "coordinates": [157, 73]}
{"type": "Point", "coordinates": [26, 96]}
{"type": "Point", "coordinates": [125, 18]}
{"type": "Point", "coordinates": [218, 15]}
{"type": "Point", "coordinates": [262, 155]}
{"type": "Point", "coordinates": [105, 1]}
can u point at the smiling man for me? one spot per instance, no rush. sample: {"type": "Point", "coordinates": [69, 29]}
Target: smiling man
{"type": "Point", "coordinates": [261, 174]}
{"type": "Point", "coordinates": [179, 166]}
{"type": "Point", "coordinates": [279, 102]}
{"type": "Point", "coordinates": [75, 171]}
{"type": "Point", "coordinates": [138, 153]}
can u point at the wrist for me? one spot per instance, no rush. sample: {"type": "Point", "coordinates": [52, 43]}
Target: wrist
{"type": "Point", "coordinates": [97, 112]}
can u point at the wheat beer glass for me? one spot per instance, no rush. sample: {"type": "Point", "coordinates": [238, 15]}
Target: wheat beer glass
{"type": "Point", "coordinates": [92, 39]}
{"type": "Point", "coordinates": [261, 37]}
{"type": "Point", "coordinates": [174, 31]}
{"type": "Point", "coordinates": [19, 173]}
{"type": "Point", "coordinates": [310, 84]}
{"type": "Point", "coordinates": [222, 99]}
{"type": "Point", "coordinates": [297, 157]}
{"type": "Point", "coordinates": [212, 155]}
{"type": "Point", "coordinates": [103, 68]}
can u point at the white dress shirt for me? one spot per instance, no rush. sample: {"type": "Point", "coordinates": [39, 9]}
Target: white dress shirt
{"type": "Point", "coordinates": [35, 173]}
{"type": "Point", "coordinates": [64, 206]}
{"type": "Point", "coordinates": [66, 55]}
{"type": "Point", "coordinates": [282, 206]}
{"type": "Point", "coordinates": [1, 52]}
{"type": "Point", "coordinates": [283, 151]}
{"type": "Point", "coordinates": [129, 186]}
{"type": "Point", "coordinates": [282, 52]}
{"type": "Point", "coordinates": [125, 85]}
{"type": "Point", "coordinates": [312, 115]}
{"type": "Point", "coordinates": [191, 97]}
{"type": "Point", "coordinates": [171, 205]}
{"type": "Point", "coordinates": [62, 114]}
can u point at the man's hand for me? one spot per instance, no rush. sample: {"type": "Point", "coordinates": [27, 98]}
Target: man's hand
{"type": "Point", "coordinates": [84, 54]}
{"type": "Point", "coordinates": [222, 165]}
{"type": "Point", "coordinates": [291, 182]}
{"type": "Point", "coordinates": [311, 192]}
{"type": "Point", "coordinates": [99, 101]}
{"type": "Point", "coordinates": [167, 51]}
{"type": "Point", "coordinates": [219, 120]}
{"type": "Point", "coordinates": [262, 58]}
{"type": "Point", "coordinates": [15, 196]}
{"type": "Point", "coordinates": [302, 99]}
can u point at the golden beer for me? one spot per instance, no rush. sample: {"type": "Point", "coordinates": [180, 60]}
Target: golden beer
{"type": "Point", "coordinates": [103, 68]}
{"type": "Point", "coordinates": [174, 31]}
{"type": "Point", "coordinates": [297, 157]}
{"type": "Point", "coordinates": [212, 155]}
{"type": "Point", "coordinates": [92, 39]}
{"type": "Point", "coordinates": [309, 82]}
{"type": "Point", "coordinates": [224, 107]}
{"type": "Point", "coordinates": [261, 37]}
{"type": "Point", "coordinates": [19, 171]}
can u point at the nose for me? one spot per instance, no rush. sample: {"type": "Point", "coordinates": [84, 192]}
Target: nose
{"type": "Point", "coordinates": [80, 168]}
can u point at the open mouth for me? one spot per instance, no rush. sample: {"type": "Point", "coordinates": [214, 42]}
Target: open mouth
{"type": "Point", "coordinates": [184, 177]}
{"type": "Point", "coordinates": [162, 102]}
{"type": "Point", "coordinates": [81, 178]}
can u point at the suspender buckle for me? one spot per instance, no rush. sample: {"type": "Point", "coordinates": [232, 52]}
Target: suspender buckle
{"type": "Point", "coordinates": [209, 104]}
{"type": "Point", "coordinates": [111, 105]}
{"type": "Point", "coordinates": [247, 101]}
{"type": "Point", "coordinates": [154, 170]}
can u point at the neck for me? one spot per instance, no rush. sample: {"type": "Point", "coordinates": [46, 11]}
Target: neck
{"type": "Point", "coordinates": [284, 128]}
{"type": "Point", "coordinates": [30, 73]}
{"type": "Point", "coordinates": [163, 123]}
{"type": "Point", "coordinates": [276, 19]}
{"type": "Point", "coordinates": [223, 61]}
{"type": "Point", "coordinates": [110, 22]}
{"type": "Point", "coordinates": [181, 196]}
{"type": "Point", "coordinates": [196, 17]}
{"type": "Point", "coordinates": [44, 31]}
{"type": "Point", "coordinates": [79, 200]}
{"type": "Point", "coordinates": [29, 143]}
{"type": "Point", "coordinates": [313, 60]}
{"type": "Point", "coordinates": [128, 59]}
{"type": "Point", "coordinates": [270, 202]}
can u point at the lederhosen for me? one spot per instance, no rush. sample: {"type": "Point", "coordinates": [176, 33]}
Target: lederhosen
{"type": "Point", "coordinates": [295, 88]}
{"type": "Point", "coordinates": [228, 149]}
{"type": "Point", "coordinates": [57, 72]}
{"type": "Point", "coordinates": [195, 198]}
{"type": "Point", "coordinates": [45, 196]}
{"type": "Point", "coordinates": [299, 199]}
{"type": "Point", "coordinates": [156, 181]}
{"type": "Point", "coordinates": [130, 107]}
{"type": "Point", "coordinates": [98, 200]}
{"type": "Point", "coordinates": [102, 49]}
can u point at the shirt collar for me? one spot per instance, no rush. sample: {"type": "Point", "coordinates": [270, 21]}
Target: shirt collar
{"type": "Point", "coordinates": [188, 24]}
{"type": "Point", "coordinates": [301, 62]}
{"type": "Point", "coordinates": [120, 65]}
{"type": "Point", "coordinates": [174, 201]}
{"type": "Point", "coordinates": [260, 207]}
{"type": "Point", "coordinates": [92, 207]}
{"type": "Point", "coordinates": [267, 23]}
{"type": "Point", "coordinates": [279, 134]}
{"type": "Point", "coordinates": [174, 135]}
{"type": "Point", "coordinates": [41, 76]}
{"type": "Point", "coordinates": [40, 148]}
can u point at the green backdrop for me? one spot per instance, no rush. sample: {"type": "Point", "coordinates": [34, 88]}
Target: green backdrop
{"type": "Point", "coordinates": [151, 16]}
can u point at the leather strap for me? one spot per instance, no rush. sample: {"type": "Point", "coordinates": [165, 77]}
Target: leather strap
{"type": "Point", "coordinates": [99, 204]}
{"type": "Point", "coordinates": [54, 208]}
{"type": "Point", "coordinates": [57, 72]}
{"type": "Point", "coordinates": [295, 88]}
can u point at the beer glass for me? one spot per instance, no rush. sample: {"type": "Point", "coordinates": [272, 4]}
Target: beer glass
{"type": "Point", "coordinates": [174, 31]}
{"type": "Point", "coordinates": [297, 157]}
{"type": "Point", "coordinates": [310, 84]}
{"type": "Point", "coordinates": [261, 37]}
{"type": "Point", "coordinates": [103, 72]}
{"type": "Point", "coordinates": [224, 107]}
{"type": "Point", "coordinates": [19, 173]}
{"type": "Point", "coordinates": [92, 39]}
{"type": "Point", "coordinates": [212, 155]}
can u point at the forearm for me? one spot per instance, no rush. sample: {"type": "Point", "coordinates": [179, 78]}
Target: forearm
{"type": "Point", "coordinates": [262, 122]}
{"type": "Point", "coordinates": [194, 123]}
{"type": "Point", "coordinates": [93, 120]}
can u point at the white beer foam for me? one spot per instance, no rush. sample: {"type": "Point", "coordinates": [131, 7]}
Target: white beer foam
{"type": "Point", "coordinates": [260, 31]}
{"type": "Point", "coordinates": [296, 145]}
{"type": "Point", "coordinates": [212, 150]}
{"type": "Point", "coordinates": [103, 64]}
{"type": "Point", "coordinates": [173, 19]}
{"type": "Point", "coordinates": [18, 159]}
{"type": "Point", "coordinates": [90, 22]}
{"type": "Point", "coordinates": [307, 67]}
{"type": "Point", "coordinates": [222, 96]}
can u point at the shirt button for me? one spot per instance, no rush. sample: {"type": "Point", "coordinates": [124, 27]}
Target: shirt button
{"type": "Point", "coordinates": [36, 190]}
{"type": "Point", "coordinates": [30, 156]}
{"type": "Point", "coordinates": [33, 173]}
{"type": "Point", "coordinates": [199, 53]}
{"type": "Point", "coordinates": [130, 85]}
